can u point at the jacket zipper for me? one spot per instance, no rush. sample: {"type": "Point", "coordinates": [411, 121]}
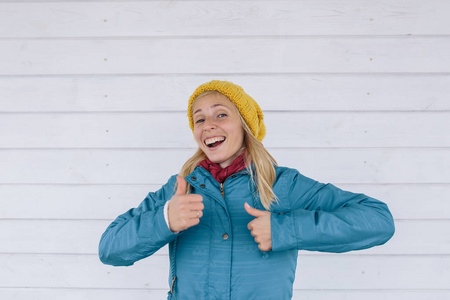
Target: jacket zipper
{"type": "Point", "coordinates": [221, 190]}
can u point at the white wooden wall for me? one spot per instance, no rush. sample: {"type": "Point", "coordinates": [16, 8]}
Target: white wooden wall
{"type": "Point", "coordinates": [92, 103]}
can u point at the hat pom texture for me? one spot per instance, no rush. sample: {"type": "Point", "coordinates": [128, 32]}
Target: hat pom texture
{"type": "Point", "coordinates": [247, 106]}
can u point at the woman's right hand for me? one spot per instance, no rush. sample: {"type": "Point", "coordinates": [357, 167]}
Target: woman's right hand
{"type": "Point", "coordinates": [184, 211]}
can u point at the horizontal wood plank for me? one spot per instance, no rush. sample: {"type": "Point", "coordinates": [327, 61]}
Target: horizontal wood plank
{"type": "Point", "coordinates": [82, 237]}
{"type": "Point", "coordinates": [144, 166]}
{"type": "Point", "coordinates": [284, 92]}
{"type": "Point", "coordinates": [146, 294]}
{"type": "Point", "coordinates": [85, 294]}
{"type": "Point", "coordinates": [231, 55]}
{"type": "Point", "coordinates": [284, 129]}
{"type": "Point", "coordinates": [106, 202]}
{"type": "Point", "coordinates": [323, 272]}
{"type": "Point", "coordinates": [224, 18]}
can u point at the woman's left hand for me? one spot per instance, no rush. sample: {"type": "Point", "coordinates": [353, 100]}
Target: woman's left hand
{"type": "Point", "coordinates": [260, 227]}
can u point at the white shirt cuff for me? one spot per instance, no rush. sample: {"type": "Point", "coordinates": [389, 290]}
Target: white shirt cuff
{"type": "Point", "coordinates": [166, 215]}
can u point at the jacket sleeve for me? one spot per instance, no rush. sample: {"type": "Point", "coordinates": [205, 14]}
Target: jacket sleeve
{"type": "Point", "coordinates": [326, 218]}
{"type": "Point", "coordinates": [139, 232]}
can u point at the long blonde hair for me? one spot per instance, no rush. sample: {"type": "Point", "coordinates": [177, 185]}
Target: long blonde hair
{"type": "Point", "coordinates": [263, 175]}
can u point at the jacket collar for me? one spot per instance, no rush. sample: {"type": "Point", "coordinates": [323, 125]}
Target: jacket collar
{"type": "Point", "coordinates": [202, 180]}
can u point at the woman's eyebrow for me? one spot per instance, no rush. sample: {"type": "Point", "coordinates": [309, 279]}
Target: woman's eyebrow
{"type": "Point", "coordinates": [212, 106]}
{"type": "Point", "coordinates": [218, 104]}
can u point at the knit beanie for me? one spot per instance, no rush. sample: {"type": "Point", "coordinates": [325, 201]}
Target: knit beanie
{"type": "Point", "coordinates": [248, 108]}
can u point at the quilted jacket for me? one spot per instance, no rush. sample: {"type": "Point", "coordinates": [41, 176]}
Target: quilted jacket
{"type": "Point", "coordinates": [219, 259]}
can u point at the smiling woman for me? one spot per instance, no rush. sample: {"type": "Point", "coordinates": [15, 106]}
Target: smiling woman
{"type": "Point", "coordinates": [250, 116]}
{"type": "Point", "coordinates": [234, 219]}
{"type": "Point", "coordinates": [217, 130]}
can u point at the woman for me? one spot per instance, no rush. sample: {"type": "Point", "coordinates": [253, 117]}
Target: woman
{"type": "Point", "coordinates": [234, 219]}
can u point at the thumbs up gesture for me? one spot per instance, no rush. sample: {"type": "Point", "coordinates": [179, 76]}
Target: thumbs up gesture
{"type": "Point", "coordinates": [260, 227]}
{"type": "Point", "coordinates": [184, 211]}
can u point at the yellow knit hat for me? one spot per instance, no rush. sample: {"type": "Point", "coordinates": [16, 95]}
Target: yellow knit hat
{"type": "Point", "coordinates": [248, 108]}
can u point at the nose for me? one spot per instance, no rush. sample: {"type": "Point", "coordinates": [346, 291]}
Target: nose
{"type": "Point", "coordinates": [209, 124]}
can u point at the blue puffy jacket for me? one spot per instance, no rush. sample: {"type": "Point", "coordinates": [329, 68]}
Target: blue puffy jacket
{"type": "Point", "coordinates": [219, 259]}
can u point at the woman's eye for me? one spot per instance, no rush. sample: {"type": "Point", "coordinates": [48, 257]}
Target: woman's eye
{"type": "Point", "coordinates": [199, 121]}
{"type": "Point", "coordinates": [222, 115]}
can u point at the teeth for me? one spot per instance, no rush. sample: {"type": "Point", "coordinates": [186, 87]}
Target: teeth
{"type": "Point", "coordinates": [214, 139]}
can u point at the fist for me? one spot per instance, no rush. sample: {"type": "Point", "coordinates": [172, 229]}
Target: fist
{"type": "Point", "coordinates": [260, 227]}
{"type": "Point", "coordinates": [184, 211]}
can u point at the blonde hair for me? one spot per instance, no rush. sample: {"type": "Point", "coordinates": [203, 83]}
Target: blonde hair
{"type": "Point", "coordinates": [263, 175]}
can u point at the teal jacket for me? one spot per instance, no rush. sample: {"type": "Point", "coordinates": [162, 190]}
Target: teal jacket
{"type": "Point", "coordinates": [219, 259]}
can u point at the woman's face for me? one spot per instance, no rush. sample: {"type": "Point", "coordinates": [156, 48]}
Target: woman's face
{"type": "Point", "coordinates": [217, 128]}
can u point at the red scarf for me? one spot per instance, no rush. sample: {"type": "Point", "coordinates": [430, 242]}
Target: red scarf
{"type": "Point", "coordinates": [220, 174]}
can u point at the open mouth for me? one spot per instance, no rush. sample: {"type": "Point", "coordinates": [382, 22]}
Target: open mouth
{"type": "Point", "coordinates": [214, 141]}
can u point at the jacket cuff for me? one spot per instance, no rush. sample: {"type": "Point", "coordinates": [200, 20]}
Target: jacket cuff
{"type": "Point", "coordinates": [160, 229]}
{"type": "Point", "coordinates": [283, 231]}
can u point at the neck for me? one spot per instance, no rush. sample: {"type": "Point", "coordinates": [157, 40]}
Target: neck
{"type": "Point", "coordinates": [230, 161]}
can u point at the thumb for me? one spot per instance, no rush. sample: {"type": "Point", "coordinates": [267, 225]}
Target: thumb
{"type": "Point", "coordinates": [253, 211]}
{"type": "Point", "coordinates": [181, 186]}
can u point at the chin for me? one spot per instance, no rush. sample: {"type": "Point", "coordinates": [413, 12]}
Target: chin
{"type": "Point", "coordinates": [216, 159]}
